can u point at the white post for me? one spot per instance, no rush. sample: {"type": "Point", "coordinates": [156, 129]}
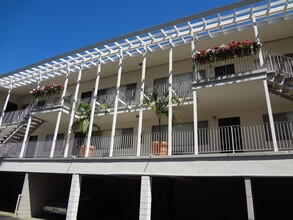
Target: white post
{"type": "Point", "coordinates": [256, 34]}
{"type": "Point", "coordinates": [74, 195]}
{"type": "Point", "coordinates": [72, 113]}
{"type": "Point", "coordinates": [93, 107]}
{"type": "Point", "coordinates": [194, 94]}
{"type": "Point", "coordinates": [249, 199]}
{"type": "Point", "coordinates": [59, 117]}
{"type": "Point", "coordinates": [145, 207]}
{"type": "Point", "coordinates": [28, 126]}
{"type": "Point", "coordinates": [270, 113]}
{"type": "Point", "coordinates": [5, 104]}
{"type": "Point", "coordinates": [116, 105]}
{"type": "Point", "coordinates": [25, 137]}
{"type": "Point", "coordinates": [170, 112]}
{"type": "Point", "coordinates": [142, 85]}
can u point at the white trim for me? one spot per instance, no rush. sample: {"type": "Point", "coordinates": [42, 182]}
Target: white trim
{"type": "Point", "coordinates": [153, 38]}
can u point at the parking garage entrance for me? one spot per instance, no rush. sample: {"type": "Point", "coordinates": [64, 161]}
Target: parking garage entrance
{"type": "Point", "coordinates": [194, 198]}
{"type": "Point", "coordinates": [11, 186]}
{"type": "Point", "coordinates": [109, 197]}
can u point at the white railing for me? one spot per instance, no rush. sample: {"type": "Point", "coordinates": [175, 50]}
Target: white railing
{"type": "Point", "coordinates": [10, 150]}
{"type": "Point", "coordinates": [182, 88]}
{"type": "Point", "coordinates": [228, 67]}
{"type": "Point", "coordinates": [129, 97]}
{"type": "Point", "coordinates": [228, 139]}
{"type": "Point", "coordinates": [125, 145]}
{"type": "Point", "coordinates": [51, 102]}
{"type": "Point", "coordinates": [278, 62]}
{"type": "Point", "coordinates": [232, 139]}
{"type": "Point", "coordinates": [284, 135]}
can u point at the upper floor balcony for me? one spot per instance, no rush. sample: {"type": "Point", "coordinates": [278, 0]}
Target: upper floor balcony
{"type": "Point", "coordinates": [225, 139]}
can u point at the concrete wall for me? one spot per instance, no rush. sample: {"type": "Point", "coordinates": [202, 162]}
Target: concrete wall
{"type": "Point", "coordinates": [244, 164]}
{"type": "Point", "coordinates": [39, 189]}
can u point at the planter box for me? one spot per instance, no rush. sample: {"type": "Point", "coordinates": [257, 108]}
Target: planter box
{"type": "Point", "coordinates": [82, 150]}
{"type": "Point", "coordinates": [159, 148]}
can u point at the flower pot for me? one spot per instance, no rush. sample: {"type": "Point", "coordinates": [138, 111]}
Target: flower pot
{"type": "Point", "coordinates": [82, 150]}
{"type": "Point", "coordinates": [159, 148]}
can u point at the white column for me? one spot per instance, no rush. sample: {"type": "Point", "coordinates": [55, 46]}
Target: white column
{"type": "Point", "coordinates": [59, 117]}
{"type": "Point", "coordinates": [256, 34]}
{"type": "Point", "coordinates": [73, 202]}
{"type": "Point", "coordinates": [145, 206]}
{"type": "Point", "coordinates": [170, 112]}
{"type": "Point", "coordinates": [194, 94]}
{"type": "Point", "coordinates": [25, 136]}
{"type": "Point", "coordinates": [249, 199]}
{"type": "Point", "coordinates": [5, 104]}
{"type": "Point", "coordinates": [116, 106]}
{"type": "Point", "coordinates": [93, 107]}
{"type": "Point", "coordinates": [140, 116]}
{"type": "Point", "coordinates": [72, 113]}
{"type": "Point", "coordinates": [28, 126]}
{"type": "Point", "coordinates": [270, 114]}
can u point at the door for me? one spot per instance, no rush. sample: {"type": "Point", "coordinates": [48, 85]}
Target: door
{"type": "Point", "coordinates": [230, 134]}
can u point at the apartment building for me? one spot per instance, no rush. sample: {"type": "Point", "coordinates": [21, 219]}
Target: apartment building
{"type": "Point", "coordinates": [191, 119]}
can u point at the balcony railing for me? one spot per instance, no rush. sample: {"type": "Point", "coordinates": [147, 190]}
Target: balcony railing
{"type": "Point", "coordinates": [182, 88]}
{"type": "Point", "coordinates": [51, 102]}
{"type": "Point", "coordinates": [279, 62]}
{"type": "Point", "coordinates": [229, 139]}
{"type": "Point", "coordinates": [226, 67]}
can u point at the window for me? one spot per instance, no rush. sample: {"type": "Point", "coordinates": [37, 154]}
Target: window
{"type": "Point", "coordinates": [224, 70]}
{"type": "Point", "coordinates": [86, 97]}
{"type": "Point", "coordinates": [283, 126]}
{"type": "Point", "coordinates": [107, 96]}
{"type": "Point", "coordinates": [130, 92]}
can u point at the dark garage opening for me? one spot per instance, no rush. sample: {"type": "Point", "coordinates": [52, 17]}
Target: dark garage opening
{"type": "Point", "coordinates": [11, 186]}
{"type": "Point", "coordinates": [109, 198]}
{"type": "Point", "coordinates": [48, 190]}
{"type": "Point", "coordinates": [190, 198]}
{"type": "Point", "coordinates": [273, 198]}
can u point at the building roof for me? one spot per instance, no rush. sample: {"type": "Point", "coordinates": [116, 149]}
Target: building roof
{"type": "Point", "coordinates": [223, 20]}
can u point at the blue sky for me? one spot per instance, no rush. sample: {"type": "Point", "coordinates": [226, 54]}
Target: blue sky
{"type": "Point", "coordinates": [33, 30]}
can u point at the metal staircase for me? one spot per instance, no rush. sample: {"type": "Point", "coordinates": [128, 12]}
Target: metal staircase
{"type": "Point", "coordinates": [15, 130]}
{"type": "Point", "coordinates": [280, 75]}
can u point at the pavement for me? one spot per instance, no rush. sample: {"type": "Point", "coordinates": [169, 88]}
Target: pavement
{"type": "Point", "coordinates": [7, 216]}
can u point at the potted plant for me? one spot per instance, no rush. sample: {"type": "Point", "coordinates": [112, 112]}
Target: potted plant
{"type": "Point", "coordinates": [159, 104]}
{"type": "Point", "coordinates": [81, 125]}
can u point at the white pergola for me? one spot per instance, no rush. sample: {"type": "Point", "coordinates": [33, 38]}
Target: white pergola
{"type": "Point", "coordinates": [234, 17]}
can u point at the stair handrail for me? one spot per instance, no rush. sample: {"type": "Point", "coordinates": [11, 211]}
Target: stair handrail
{"type": "Point", "coordinates": [17, 120]}
{"type": "Point", "coordinates": [278, 62]}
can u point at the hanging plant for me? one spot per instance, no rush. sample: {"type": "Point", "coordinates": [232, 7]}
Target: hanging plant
{"type": "Point", "coordinates": [231, 50]}
{"type": "Point", "coordinates": [48, 90]}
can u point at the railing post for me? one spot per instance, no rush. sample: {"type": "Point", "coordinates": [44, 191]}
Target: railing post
{"type": "Point", "coordinates": [170, 107]}
{"type": "Point", "coordinates": [270, 113]}
{"type": "Point", "coordinates": [116, 105]}
{"type": "Point", "coordinates": [232, 139]}
{"type": "Point", "coordinates": [140, 116]}
{"type": "Point", "coordinates": [93, 106]}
